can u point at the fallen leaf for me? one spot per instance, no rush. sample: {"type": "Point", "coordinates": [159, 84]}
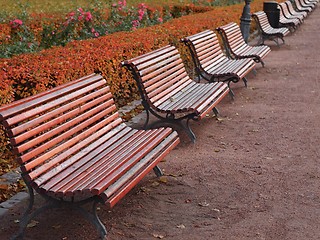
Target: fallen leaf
{"type": "Point", "coordinates": [203, 204]}
{"type": "Point", "coordinates": [219, 119]}
{"type": "Point", "coordinates": [155, 184]}
{"type": "Point", "coordinates": [32, 224]}
{"type": "Point", "coordinates": [56, 226]}
{"type": "Point", "coordinates": [181, 226]}
{"type": "Point", "coordinates": [163, 179]}
{"type": "Point", "coordinates": [144, 189]}
{"type": "Point", "coordinates": [158, 236]}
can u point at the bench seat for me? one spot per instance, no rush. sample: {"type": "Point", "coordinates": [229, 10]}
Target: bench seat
{"type": "Point", "coordinates": [267, 32]}
{"type": "Point", "coordinates": [74, 148]}
{"type": "Point", "coordinates": [237, 48]}
{"type": "Point", "coordinates": [168, 92]}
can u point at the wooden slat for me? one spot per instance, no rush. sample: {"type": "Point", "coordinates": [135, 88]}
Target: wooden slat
{"type": "Point", "coordinates": [83, 167]}
{"type": "Point", "coordinates": [166, 82]}
{"type": "Point", "coordinates": [106, 175]}
{"type": "Point", "coordinates": [31, 102]}
{"type": "Point", "coordinates": [31, 125]}
{"type": "Point", "coordinates": [179, 89]}
{"type": "Point", "coordinates": [69, 123]}
{"type": "Point", "coordinates": [135, 156]}
{"type": "Point", "coordinates": [117, 191]}
{"type": "Point", "coordinates": [82, 182]}
{"type": "Point", "coordinates": [80, 135]}
{"type": "Point", "coordinates": [80, 148]}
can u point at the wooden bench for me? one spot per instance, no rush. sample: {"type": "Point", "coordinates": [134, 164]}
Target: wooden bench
{"type": "Point", "coordinates": [168, 92]}
{"type": "Point", "coordinates": [303, 7]}
{"type": "Point", "coordinates": [212, 64]}
{"type": "Point", "coordinates": [310, 3]}
{"type": "Point", "coordinates": [285, 20]}
{"type": "Point", "coordinates": [74, 148]}
{"type": "Point", "coordinates": [267, 32]}
{"type": "Point", "coordinates": [293, 12]}
{"type": "Point", "coordinates": [237, 48]}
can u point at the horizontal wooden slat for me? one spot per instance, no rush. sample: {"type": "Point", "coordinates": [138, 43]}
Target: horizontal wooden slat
{"type": "Point", "coordinates": [116, 192]}
{"type": "Point", "coordinates": [31, 125]}
{"type": "Point", "coordinates": [82, 168]}
{"type": "Point", "coordinates": [41, 98]}
{"type": "Point", "coordinates": [134, 157]}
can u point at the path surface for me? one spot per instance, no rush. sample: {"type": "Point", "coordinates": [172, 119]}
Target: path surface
{"type": "Point", "coordinates": [252, 174]}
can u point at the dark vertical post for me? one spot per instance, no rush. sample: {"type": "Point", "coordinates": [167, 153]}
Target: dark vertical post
{"type": "Point", "coordinates": [245, 21]}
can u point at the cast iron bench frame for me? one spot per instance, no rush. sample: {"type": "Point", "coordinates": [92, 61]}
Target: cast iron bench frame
{"type": "Point", "coordinates": [74, 148]}
{"type": "Point", "coordinates": [168, 93]}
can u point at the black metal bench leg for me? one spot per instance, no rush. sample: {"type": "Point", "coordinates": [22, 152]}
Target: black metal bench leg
{"type": "Point", "coordinates": [26, 219]}
{"type": "Point", "coordinates": [215, 111]}
{"type": "Point", "coordinates": [158, 171]}
{"type": "Point", "coordinates": [188, 130]}
{"type": "Point", "coordinates": [245, 80]}
{"type": "Point", "coordinates": [254, 70]}
{"type": "Point", "coordinates": [31, 200]}
{"type": "Point", "coordinates": [231, 93]}
{"type": "Point", "coordinates": [147, 120]}
{"type": "Point", "coordinates": [94, 219]}
{"type": "Point", "coordinates": [277, 42]}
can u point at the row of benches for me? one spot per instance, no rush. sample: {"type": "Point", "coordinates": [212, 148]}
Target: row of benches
{"type": "Point", "coordinates": [291, 16]}
{"type": "Point", "coordinates": [73, 146]}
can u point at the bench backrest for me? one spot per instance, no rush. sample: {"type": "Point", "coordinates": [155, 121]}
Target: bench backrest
{"type": "Point", "coordinates": [47, 130]}
{"type": "Point", "coordinates": [160, 74]}
{"type": "Point", "coordinates": [232, 37]}
{"type": "Point", "coordinates": [262, 20]}
{"type": "Point", "coordinates": [205, 48]}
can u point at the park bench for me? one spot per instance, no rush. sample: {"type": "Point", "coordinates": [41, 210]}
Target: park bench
{"type": "Point", "coordinates": [312, 3]}
{"type": "Point", "coordinates": [212, 64]}
{"type": "Point", "coordinates": [74, 148]}
{"type": "Point", "coordinates": [293, 12]}
{"type": "Point", "coordinates": [168, 93]}
{"type": "Point", "coordinates": [267, 32]}
{"type": "Point", "coordinates": [303, 7]}
{"type": "Point", "coordinates": [237, 48]}
{"type": "Point", "coordinates": [291, 24]}
{"type": "Point", "coordinates": [286, 17]}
